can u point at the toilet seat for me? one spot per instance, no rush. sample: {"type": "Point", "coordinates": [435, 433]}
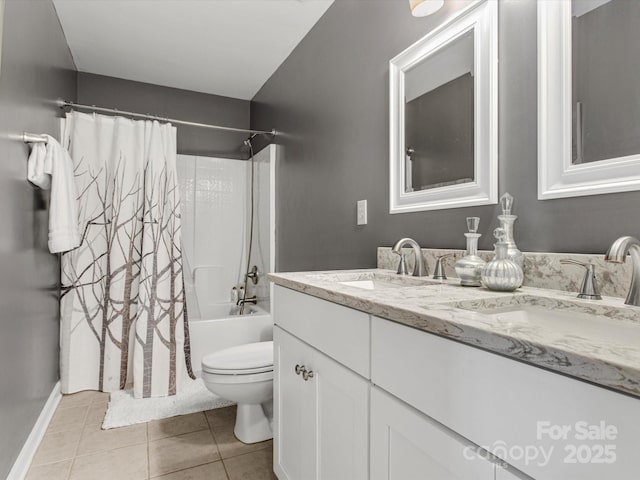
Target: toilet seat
{"type": "Point", "coordinates": [226, 371]}
{"type": "Point", "coordinates": [226, 378]}
{"type": "Point", "coordinates": [248, 359]}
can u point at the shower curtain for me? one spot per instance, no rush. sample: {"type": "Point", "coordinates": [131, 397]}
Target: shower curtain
{"type": "Point", "coordinates": [123, 311]}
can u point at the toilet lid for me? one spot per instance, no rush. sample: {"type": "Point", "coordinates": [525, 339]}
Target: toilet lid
{"type": "Point", "coordinates": [243, 359]}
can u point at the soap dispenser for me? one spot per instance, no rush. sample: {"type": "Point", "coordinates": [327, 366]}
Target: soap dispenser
{"type": "Point", "coordinates": [506, 223]}
{"type": "Point", "coordinates": [469, 268]}
{"type": "Point", "coordinates": [502, 273]}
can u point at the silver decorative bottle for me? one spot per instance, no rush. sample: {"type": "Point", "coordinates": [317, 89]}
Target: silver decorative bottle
{"type": "Point", "coordinates": [469, 268]}
{"type": "Point", "coordinates": [506, 223]}
{"type": "Point", "coordinates": [502, 273]}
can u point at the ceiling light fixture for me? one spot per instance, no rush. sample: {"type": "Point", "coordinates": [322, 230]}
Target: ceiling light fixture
{"type": "Point", "coordinates": [422, 8]}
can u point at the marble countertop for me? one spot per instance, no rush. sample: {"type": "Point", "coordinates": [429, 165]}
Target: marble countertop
{"type": "Point", "coordinates": [445, 308]}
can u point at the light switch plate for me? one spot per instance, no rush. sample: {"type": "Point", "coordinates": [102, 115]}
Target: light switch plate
{"type": "Point", "coordinates": [362, 212]}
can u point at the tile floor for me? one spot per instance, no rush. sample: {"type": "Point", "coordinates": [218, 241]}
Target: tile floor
{"type": "Point", "coordinates": [188, 447]}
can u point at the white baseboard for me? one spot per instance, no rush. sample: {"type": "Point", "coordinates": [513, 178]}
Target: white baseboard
{"type": "Point", "coordinates": [23, 462]}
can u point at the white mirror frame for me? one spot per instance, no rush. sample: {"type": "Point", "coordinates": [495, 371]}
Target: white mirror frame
{"type": "Point", "coordinates": [558, 177]}
{"type": "Point", "coordinates": [482, 18]}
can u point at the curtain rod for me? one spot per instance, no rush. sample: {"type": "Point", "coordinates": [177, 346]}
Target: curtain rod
{"type": "Point", "coordinates": [65, 104]}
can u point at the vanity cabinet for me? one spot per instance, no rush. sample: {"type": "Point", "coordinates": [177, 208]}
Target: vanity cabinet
{"type": "Point", "coordinates": [407, 445]}
{"type": "Point", "coordinates": [321, 414]}
{"type": "Point", "coordinates": [509, 407]}
{"type": "Point", "coordinates": [384, 401]}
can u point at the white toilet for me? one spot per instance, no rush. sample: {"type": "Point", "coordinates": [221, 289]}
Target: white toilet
{"type": "Point", "coordinates": [244, 374]}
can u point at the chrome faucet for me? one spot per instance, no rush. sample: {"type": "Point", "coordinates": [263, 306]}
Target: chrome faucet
{"type": "Point", "coordinates": [243, 301]}
{"type": "Point", "coordinates": [419, 270]}
{"type": "Point", "coordinates": [617, 253]}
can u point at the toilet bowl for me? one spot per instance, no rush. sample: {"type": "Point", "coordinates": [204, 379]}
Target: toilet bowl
{"type": "Point", "coordinates": [244, 374]}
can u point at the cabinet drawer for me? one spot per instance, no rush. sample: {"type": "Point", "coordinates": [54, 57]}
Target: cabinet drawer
{"type": "Point", "coordinates": [501, 404]}
{"type": "Point", "coordinates": [340, 332]}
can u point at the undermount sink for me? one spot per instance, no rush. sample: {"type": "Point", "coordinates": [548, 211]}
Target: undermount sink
{"type": "Point", "coordinates": [375, 280]}
{"type": "Point", "coordinates": [564, 318]}
{"type": "Point", "coordinates": [385, 281]}
{"type": "Point", "coordinates": [370, 284]}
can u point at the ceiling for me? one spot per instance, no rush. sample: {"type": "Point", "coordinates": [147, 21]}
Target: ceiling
{"type": "Point", "coordinates": [222, 47]}
{"type": "Point", "coordinates": [585, 6]}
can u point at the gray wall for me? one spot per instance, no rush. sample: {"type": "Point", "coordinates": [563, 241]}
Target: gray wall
{"type": "Point", "coordinates": [36, 69]}
{"type": "Point", "coordinates": [174, 103]}
{"type": "Point", "coordinates": [330, 101]}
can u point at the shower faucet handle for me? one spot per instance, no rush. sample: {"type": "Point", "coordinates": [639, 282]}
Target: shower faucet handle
{"type": "Point", "coordinates": [253, 274]}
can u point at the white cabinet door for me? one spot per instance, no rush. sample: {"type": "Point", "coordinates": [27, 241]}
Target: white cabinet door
{"type": "Point", "coordinates": [341, 412]}
{"type": "Point", "coordinates": [321, 423]}
{"type": "Point", "coordinates": [289, 441]}
{"type": "Point", "coordinates": [407, 445]}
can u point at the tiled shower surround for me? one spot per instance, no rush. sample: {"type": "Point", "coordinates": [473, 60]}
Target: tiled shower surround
{"type": "Point", "coordinates": [213, 206]}
{"type": "Point", "coordinates": [215, 196]}
{"type": "Point", "coordinates": [541, 270]}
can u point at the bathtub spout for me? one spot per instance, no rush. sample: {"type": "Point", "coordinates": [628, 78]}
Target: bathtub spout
{"type": "Point", "coordinates": [242, 301]}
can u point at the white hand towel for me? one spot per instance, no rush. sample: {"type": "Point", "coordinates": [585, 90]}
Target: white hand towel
{"type": "Point", "coordinates": [35, 167]}
{"type": "Point", "coordinates": [64, 234]}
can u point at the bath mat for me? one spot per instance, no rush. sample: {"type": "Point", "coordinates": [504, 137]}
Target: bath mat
{"type": "Point", "coordinates": [125, 410]}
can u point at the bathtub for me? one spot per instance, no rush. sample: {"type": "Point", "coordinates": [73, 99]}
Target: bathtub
{"type": "Point", "coordinates": [217, 328]}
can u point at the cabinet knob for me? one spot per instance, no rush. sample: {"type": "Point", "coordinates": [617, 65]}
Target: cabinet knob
{"type": "Point", "coordinates": [307, 374]}
{"type": "Point", "coordinates": [299, 369]}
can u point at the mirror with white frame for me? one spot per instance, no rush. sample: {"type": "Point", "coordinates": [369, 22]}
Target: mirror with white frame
{"type": "Point", "coordinates": [588, 97]}
{"type": "Point", "coordinates": [443, 115]}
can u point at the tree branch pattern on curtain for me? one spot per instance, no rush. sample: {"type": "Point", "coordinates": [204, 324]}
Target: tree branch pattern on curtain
{"type": "Point", "coordinates": [123, 311]}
